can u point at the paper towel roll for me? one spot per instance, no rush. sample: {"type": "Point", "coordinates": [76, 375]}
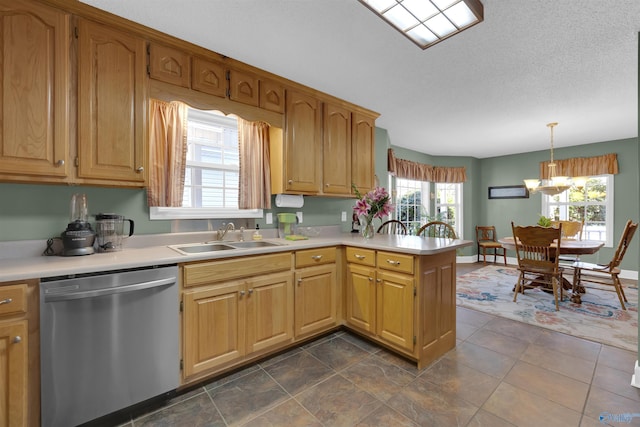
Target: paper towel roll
{"type": "Point", "coordinates": [289, 200]}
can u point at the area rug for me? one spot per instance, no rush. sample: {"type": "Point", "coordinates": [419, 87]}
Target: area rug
{"type": "Point", "coordinates": [599, 318]}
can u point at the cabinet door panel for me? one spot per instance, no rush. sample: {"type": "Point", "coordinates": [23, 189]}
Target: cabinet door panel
{"type": "Point", "coordinates": [209, 77]}
{"type": "Point", "coordinates": [269, 311]}
{"type": "Point", "coordinates": [303, 144]}
{"type": "Point", "coordinates": [34, 89]}
{"type": "Point", "coordinates": [395, 295]}
{"type": "Point", "coordinates": [13, 373]}
{"type": "Point", "coordinates": [111, 102]}
{"type": "Point", "coordinates": [214, 327]}
{"type": "Point", "coordinates": [271, 96]}
{"type": "Point", "coordinates": [361, 297]}
{"type": "Point", "coordinates": [315, 299]}
{"type": "Point", "coordinates": [243, 87]}
{"type": "Point", "coordinates": [362, 152]}
{"type": "Point", "coordinates": [169, 65]}
{"type": "Point", "coordinates": [336, 147]}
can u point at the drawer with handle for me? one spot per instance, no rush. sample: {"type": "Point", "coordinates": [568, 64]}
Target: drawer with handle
{"type": "Point", "coordinates": [13, 299]}
{"type": "Point", "coordinates": [361, 256]}
{"type": "Point", "coordinates": [395, 262]}
{"type": "Point", "coordinates": [309, 257]}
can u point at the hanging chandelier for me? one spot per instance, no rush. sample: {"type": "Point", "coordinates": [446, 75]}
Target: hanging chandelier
{"type": "Point", "coordinates": [554, 184]}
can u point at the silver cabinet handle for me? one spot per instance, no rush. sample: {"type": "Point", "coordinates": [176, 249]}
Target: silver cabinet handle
{"type": "Point", "coordinates": [140, 169]}
{"type": "Point", "coordinates": [361, 257]}
{"type": "Point", "coordinates": [378, 280]}
{"type": "Point", "coordinates": [242, 293]}
{"type": "Point", "coordinates": [392, 262]}
{"type": "Point", "coordinates": [60, 163]}
{"type": "Point", "coordinates": [299, 282]}
{"type": "Point", "coordinates": [371, 279]}
{"type": "Point", "coordinates": [316, 257]}
{"type": "Point", "coordinates": [290, 181]}
{"type": "Point", "coordinates": [17, 339]}
{"type": "Point", "coordinates": [250, 291]}
{"type": "Point", "coordinates": [6, 301]}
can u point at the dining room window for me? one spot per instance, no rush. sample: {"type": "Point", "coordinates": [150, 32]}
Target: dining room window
{"type": "Point", "coordinates": [593, 203]}
{"type": "Point", "coordinates": [448, 205]}
{"type": "Point", "coordinates": [411, 205]}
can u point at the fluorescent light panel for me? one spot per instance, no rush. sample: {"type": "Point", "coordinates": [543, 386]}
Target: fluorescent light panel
{"type": "Point", "coordinates": [427, 22]}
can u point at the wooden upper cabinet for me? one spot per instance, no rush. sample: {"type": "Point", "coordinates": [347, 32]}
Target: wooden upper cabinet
{"type": "Point", "coordinates": [244, 87]}
{"type": "Point", "coordinates": [34, 92]}
{"type": "Point", "coordinates": [271, 96]}
{"type": "Point", "coordinates": [111, 105]}
{"type": "Point", "coordinates": [209, 77]}
{"type": "Point", "coordinates": [169, 65]}
{"type": "Point", "coordinates": [362, 152]}
{"type": "Point", "coordinates": [336, 149]}
{"type": "Point", "coordinates": [303, 144]}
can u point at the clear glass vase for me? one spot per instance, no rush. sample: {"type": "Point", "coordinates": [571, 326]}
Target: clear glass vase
{"type": "Point", "coordinates": [366, 227]}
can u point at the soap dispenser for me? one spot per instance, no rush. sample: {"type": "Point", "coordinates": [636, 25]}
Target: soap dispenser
{"type": "Point", "coordinates": [256, 234]}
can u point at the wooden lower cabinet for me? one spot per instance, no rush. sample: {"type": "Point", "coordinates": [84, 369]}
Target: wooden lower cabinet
{"type": "Point", "coordinates": [19, 349]}
{"type": "Point", "coordinates": [225, 322]}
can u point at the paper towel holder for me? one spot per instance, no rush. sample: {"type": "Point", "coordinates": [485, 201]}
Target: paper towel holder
{"type": "Point", "coordinates": [289, 200]}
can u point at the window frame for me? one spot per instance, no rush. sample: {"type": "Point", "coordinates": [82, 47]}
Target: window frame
{"type": "Point", "coordinates": [457, 205]}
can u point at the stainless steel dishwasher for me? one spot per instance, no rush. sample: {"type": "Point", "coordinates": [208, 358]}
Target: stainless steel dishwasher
{"type": "Point", "coordinates": [108, 341]}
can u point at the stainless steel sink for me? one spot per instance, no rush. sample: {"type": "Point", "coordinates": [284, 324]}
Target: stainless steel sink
{"type": "Point", "coordinates": [201, 247]}
{"type": "Point", "coordinates": [253, 244]}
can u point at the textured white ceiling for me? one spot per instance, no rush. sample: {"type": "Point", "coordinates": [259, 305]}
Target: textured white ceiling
{"type": "Point", "coordinates": [486, 92]}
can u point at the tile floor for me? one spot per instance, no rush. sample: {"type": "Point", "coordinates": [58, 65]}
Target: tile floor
{"type": "Point", "coordinates": [501, 373]}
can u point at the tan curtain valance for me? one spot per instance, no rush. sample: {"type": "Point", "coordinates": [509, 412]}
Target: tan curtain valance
{"type": "Point", "coordinates": [408, 169]}
{"type": "Point", "coordinates": [583, 166]}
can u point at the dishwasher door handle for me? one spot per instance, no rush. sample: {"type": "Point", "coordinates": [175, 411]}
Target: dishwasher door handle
{"type": "Point", "coordinates": [109, 291]}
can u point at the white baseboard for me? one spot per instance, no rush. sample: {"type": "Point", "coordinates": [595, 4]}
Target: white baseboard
{"type": "Point", "coordinates": [635, 378]}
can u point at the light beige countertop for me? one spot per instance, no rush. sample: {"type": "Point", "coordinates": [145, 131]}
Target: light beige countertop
{"type": "Point", "coordinates": [23, 260]}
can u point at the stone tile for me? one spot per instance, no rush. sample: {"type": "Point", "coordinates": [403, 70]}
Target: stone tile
{"type": "Point", "coordinates": [364, 344]}
{"type": "Point", "coordinates": [483, 418]}
{"type": "Point", "coordinates": [525, 409]}
{"type": "Point", "coordinates": [464, 330]}
{"type": "Point", "coordinates": [281, 356]}
{"type": "Point", "coordinates": [567, 344]}
{"type": "Point", "coordinates": [570, 366]}
{"type": "Point", "coordinates": [197, 411]}
{"type": "Point", "coordinates": [461, 380]}
{"type": "Point", "coordinates": [338, 353]}
{"type": "Point", "coordinates": [590, 422]}
{"type": "Point", "coordinates": [482, 359]}
{"type": "Point", "coordinates": [378, 377]}
{"type": "Point", "coordinates": [385, 416]}
{"type": "Point", "coordinates": [428, 404]}
{"type": "Point", "coordinates": [289, 413]}
{"type": "Point", "coordinates": [519, 330]}
{"type": "Point", "coordinates": [401, 362]}
{"type": "Point", "coordinates": [549, 385]}
{"type": "Point", "coordinates": [247, 396]}
{"type": "Point", "coordinates": [616, 381]}
{"type": "Point", "coordinates": [472, 317]}
{"type": "Point", "coordinates": [338, 402]}
{"type": "Point", "coordinates": [604, 403]}
{"type": "Point", "coordinates": [495, 341]}
{"type": "Point", "coordinates": [617, 358]}
{"type": "Point", "coordinates": [232, 376]}
{"type": "Point", "coordinates": [298, 371]}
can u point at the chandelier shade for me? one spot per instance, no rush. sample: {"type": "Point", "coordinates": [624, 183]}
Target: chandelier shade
{"type": "Point", "coordinates": [554, 184]}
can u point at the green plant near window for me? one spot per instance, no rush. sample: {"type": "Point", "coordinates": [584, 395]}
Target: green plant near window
{"type": "Point", "coordinates": [544, 221]}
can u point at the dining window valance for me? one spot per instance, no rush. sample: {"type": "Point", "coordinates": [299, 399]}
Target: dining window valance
{"type": "Point", "coordinates": [408, 169]}
{"type": "Point", "coordinates": [583, 166]}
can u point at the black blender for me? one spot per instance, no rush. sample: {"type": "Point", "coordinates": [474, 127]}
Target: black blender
{"type": "Point", "coordinates": [78, 238]}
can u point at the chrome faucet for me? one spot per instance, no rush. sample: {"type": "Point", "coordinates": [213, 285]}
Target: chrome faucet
{"type": "Point", "coordinates": [223, 231]}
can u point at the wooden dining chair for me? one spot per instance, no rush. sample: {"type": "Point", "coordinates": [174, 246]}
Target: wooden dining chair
{"type": "Point", "coordinates": [571, 230]}
{"type": "Point", "coordinates": [437, 229]}
{"type": "Point", "coordinates": [487, 240]}
{"type": "Point", "coordinates": [608, 274]}
{"type": "Point", "coordinates": [392, 226]}
{"type": "Point", "coordinates": [536, 249]}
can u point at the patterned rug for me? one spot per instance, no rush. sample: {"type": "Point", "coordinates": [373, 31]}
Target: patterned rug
{"type": "Point", "coordinates": [599, 318]}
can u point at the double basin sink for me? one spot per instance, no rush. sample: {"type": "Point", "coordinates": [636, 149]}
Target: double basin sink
{"type": "Point", "coordinates": [197, 248]}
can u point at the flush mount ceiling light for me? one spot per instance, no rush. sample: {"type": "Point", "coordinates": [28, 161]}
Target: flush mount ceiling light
{"type": "Point", "coordinates": [555, 184]}
{"type": "Point", "coordinates": [427, 22]}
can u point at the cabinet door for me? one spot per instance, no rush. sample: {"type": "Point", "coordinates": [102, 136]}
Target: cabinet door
{"type": "Point", "coordinates": [34, 92]}
{"type": "Point", "coordinates": [303, 144]}
{"type": "Point", "coordinates": [395, 308]}
{"type": "Point", "coordinates": [362, 152]}
{"type": "Point", "coordinates": [271, 96]}
{"type": "Point", "coordinates": [315, 299]}
{"type": "Point", "coordinates": [169, 65]}
{"type": "Point", "coordinates": [244, 87]}
{"type": "Point", "coordinates": [336, 174]}
{"type": "Point", "coordinates": [361, 297]}
{"type": "Point", "coordinates": [208, 77]}
{"type": "Point", "coordinates": [214, 327]}
{"type": "Point", "coordinates": [13, 373]}
{"type": "Point", "coordinates": [269, 311]}
{"type": "Point", "coordinates": [111, 104]}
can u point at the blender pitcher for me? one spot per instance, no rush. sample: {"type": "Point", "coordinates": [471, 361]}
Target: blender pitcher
{"type": "Point", "coordinates": [110, 231]}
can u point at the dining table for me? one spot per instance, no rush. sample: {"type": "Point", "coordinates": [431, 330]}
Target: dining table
{"type": "Point", "coordinates": [567, 247]}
